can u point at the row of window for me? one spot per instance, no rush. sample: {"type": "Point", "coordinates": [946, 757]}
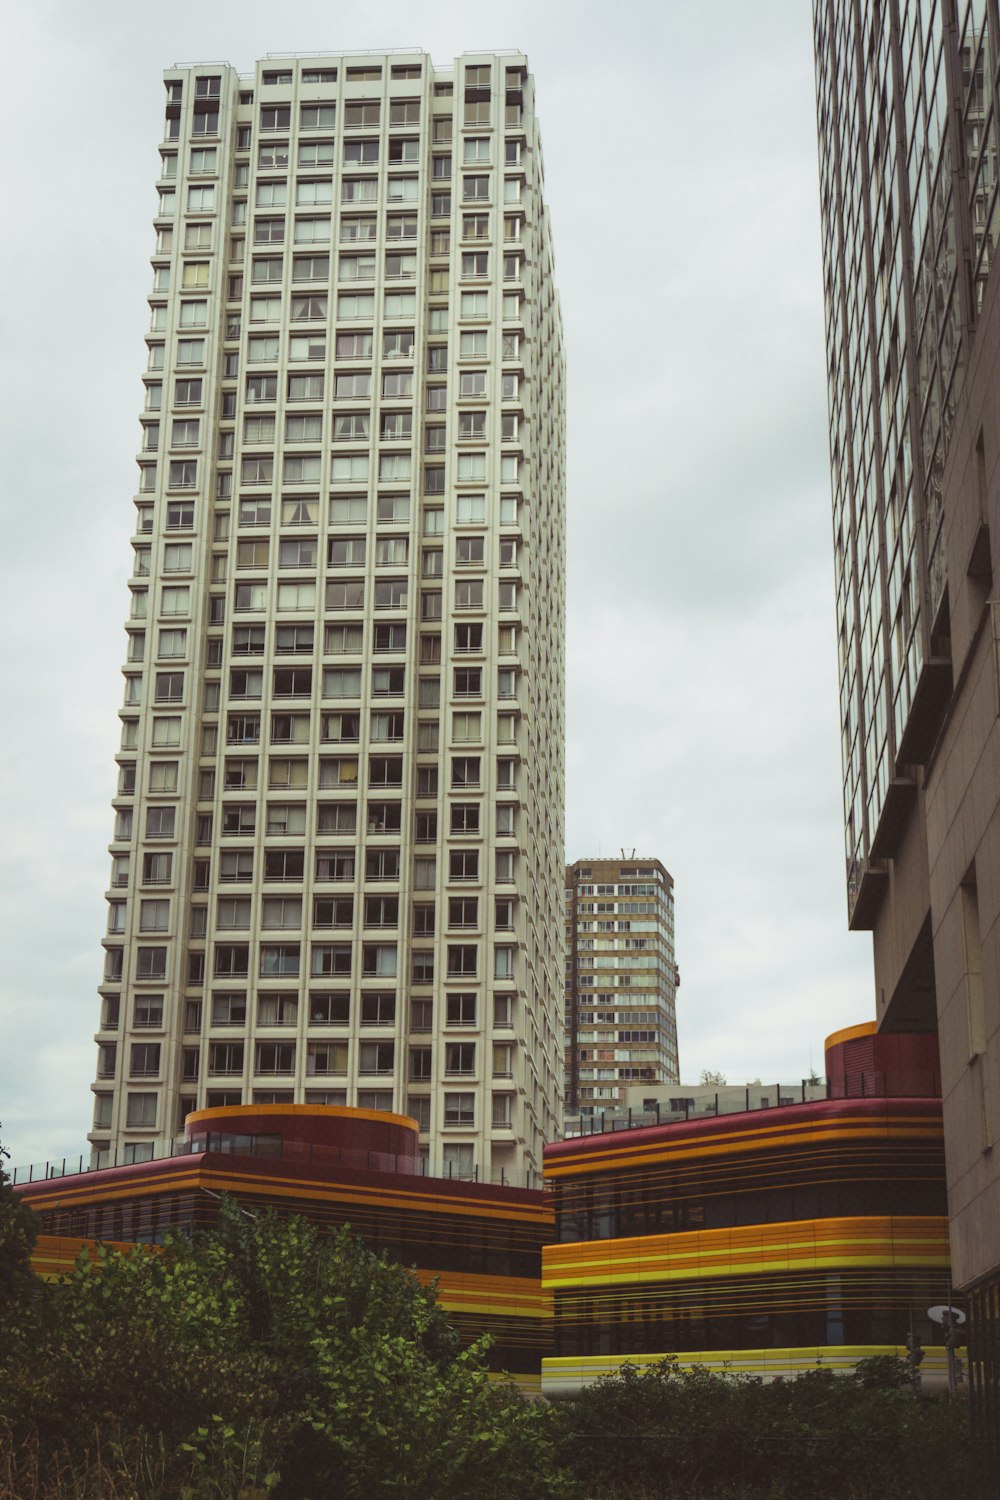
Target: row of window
{"type": "Point", "coordinates": [290, 819]}
{"type": "Point", "coordinates": [141, 1108]}
{"type": "Point", "coordinates": [200, 198]}
{"type": "Point", "coordinates": [241, 774]}
{"type": "Point", "coordinates": [354, 385]}
{"type": "Point", "coordinates": [344, 510]}
{"type": "Point", "coordinates": [354, 228]}
{"type": "Point", "coordinates": [236, 866]}
{"type": "Point", "coordinates": [323, 1008]}
{"type": "Point", "coordinates": [233, 913]}
{"type": "Point", "coordinates": [274, 155]}
{"type": "Point", "coordinates": [280, 1057]}
{"type": "Point", "coordinates": [343, 683]}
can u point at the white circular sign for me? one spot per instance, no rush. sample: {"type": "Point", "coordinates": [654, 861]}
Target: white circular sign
{"type": "Point", "coordinates": [938, 1314]}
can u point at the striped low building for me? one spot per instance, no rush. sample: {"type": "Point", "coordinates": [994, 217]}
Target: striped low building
{"type": "Point", "coordinates": [769, 1241]}
{"type": "Point", "coordinates": [766, 1239]}
{"type": "Point", "coordinates": [482, 1243]}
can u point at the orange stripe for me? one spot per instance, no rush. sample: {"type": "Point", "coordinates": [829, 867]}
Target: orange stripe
{"type": "Point", "coordinates": [198, 1176]}
{"type": "Point", "coordinates": [241, 1111]}
{"type": "Point", "coordinates": [849, 1033]}
{"type": "Point", "coordinates": [611, 1158]}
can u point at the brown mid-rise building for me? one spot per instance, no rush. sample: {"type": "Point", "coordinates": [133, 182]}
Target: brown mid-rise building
{"type": "Point", "coordinates": [621, 981]}
{"type": "Point", "coordinates": [911, 223]}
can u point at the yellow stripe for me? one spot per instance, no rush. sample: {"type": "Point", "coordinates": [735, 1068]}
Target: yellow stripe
{"type": "Point", "coordinates": [749, 1249]}
{"type": "Point", "coordinates": [567, 1373]}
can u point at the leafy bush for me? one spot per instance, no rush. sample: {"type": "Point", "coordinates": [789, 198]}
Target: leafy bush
{"type": "Point", "coordinates": [663, 1433]}
{"type": "Point", "coordinates": [262, 1358]}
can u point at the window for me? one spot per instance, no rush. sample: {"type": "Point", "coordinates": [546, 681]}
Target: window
{"type": "Point", "coordinates": [473, 344]}
{"type": "Point", "coordinates": [279, 959]}
{"type": "Point", "coordinates": [301, 469]}
{"type": "Point", "coordinates": [459, 1109]}
{"type": "Point", "coordinates": [327, 1009]}
{"type": "Point", "coordinates": [314, 193]}
{"type": "Point", "coordinates": [381, 911]}
{"type": "Point", "coordinates": [307, 346]}
{"type": "Point", "coordinates": [472, 383]}
{"type": "Point", "coordinates": [183, 475]}
{"type": "Point", "coordinates": [347, 552]}
{"type": "Point", "coordinates": [400, 304]}
{"type": "Point", "coordinates": [376, 1057]}
{"type": "Point", "coordinates": [465, 817]}
{"type": "Point", "coordinates": [225, 1057]}
{"type": "Point", "coordinates": [156, 869]}
{"type": "Point", "coordinates": [474, 305]}
{"type": "Point", "coordinates": [382, 864]}
{"type": "Point", "coordinates": [468, 637]}
{"type": "Point", "coordinates": [418, 1108]}
{"type": "Point", "coordinates": [342, 682]}
{"type": "Point", "coordinates": [401, 227]}
{"type": "Point", "coordinates": [316, 154]}
{"type": "Point", "coordinates": [239, 819]}
{"type": "Point", "coordinates": [503, 962]}
{"type": "Point", "coordinates": [294, 639]}
{"type": "Point", "coordinates": [461, 1010]}
{"type": "Point", "coordinates": [354, 345]}
{"type": "Point", "coordinates": [268, 231]}
{"type": "Point", "coordinates": [394, 467]}
{"type": "Point", "coordinates": [469, 551]}
{"type": "Point", "coordinates": [326, 1057]}
{"type": "Point", "coordinates": [378, 1009]}
{"type": "Point", "coordinates": [460, 1058]}
{"type": "Point", "coordinates": [391, 593]}
{"type": "Point", "coordinates": [354, 230]}
{"type": "Point", "coordinates": [468, 593]}
{"type": "Point", "coordinates": [286, 819]}
{"type": "Point", "coordinates": [359, 190]}
{"type": "Point", "coordinates": [398, 344]}
{"type": "Point", "coordinates": [404, 112]}
{"type": "Point", "coordinates": [233, 913]}
{"type": "Point", "coordinates": [140, 1111]}
{"type": "Point", "coordinates": [353, 386]}
{"type": "Point", "coordinates": [338, 772]}
{"type": "Point", "coordinates": [275, 1057]}
{"type": "Point", "coordinates": [465, 772]}
{"type": "Point", "coordinates": [350, 427]}
{"type": "Point", "coordinates": [420, 1067]}
{"type": "Point", "coordinates": [333, 911]}
{"type": "Point", "coordinates": [151, 963]}
{"type": "Point", "coordinates": [355, 305]}
{"type": "Point", "coordinates": [334, 865]}
{"type": "Point", "coordinates": [349, 468]}
{"type": "Point", "coordinates": [463, 864]}
{"type": "Point", "coordinates": [275, 117]}
{"type": "Point", "coordinates": [154, 916]}
{"type": "Point", "coordinates": [283, 864]}
{"type": "Point", "coordinates": [160, 822]}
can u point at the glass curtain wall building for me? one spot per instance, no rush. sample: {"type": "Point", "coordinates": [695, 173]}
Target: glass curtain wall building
{"type": "Point", "coordinates": [907, 125]}
{"type": "Point", "coordinates": [338, 840]}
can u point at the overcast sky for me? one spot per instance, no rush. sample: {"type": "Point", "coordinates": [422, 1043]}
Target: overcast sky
{"type": "Point", "coordinates": [680, 164]}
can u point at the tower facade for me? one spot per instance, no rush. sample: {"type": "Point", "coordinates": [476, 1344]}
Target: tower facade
{"type": "Point", "coordinates": [911, 224]}
{"type": "Point", "coordinates": [339, 825]}
{"type": "Point", "coordinates": [621, 980]}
